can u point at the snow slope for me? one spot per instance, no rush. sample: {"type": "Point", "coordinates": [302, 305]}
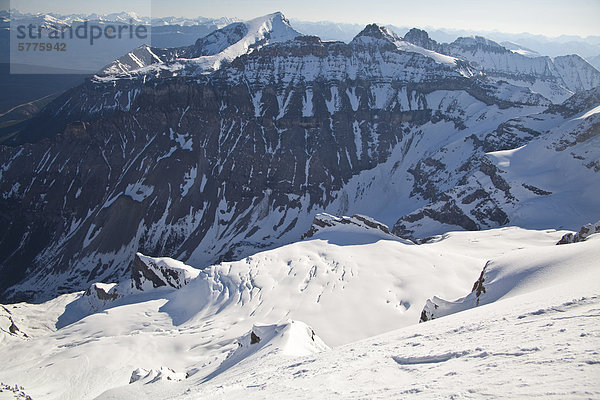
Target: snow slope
{"type": "Point", "coordinates": [525, 271]}
{"type": "Point", "coordinates": [542, 341]}
{"type": "Point", "coordinates": [347, 286]}
{"type": "Point", "coordinates": [540, 345]}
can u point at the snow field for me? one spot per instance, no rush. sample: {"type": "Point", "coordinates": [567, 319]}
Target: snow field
{"type": "Point", "coordinates": [347, 286]}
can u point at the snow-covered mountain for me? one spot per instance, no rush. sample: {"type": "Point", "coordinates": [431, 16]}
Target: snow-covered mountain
{"type": "Point", "coordinates": [527, 170]}
{"type": "Point", "coordinates": [210, 166]}
{"type": "Point", "coordinates": [207, 54]}
{"type": "Point", "coordinates": [161, 33]}
{"type": "Point", "coordinates": [347, 298]}
{"type": "Point", "coordinates": [124, 16]}
{"type": "Point", "coordinates": [555, 78]}
{"type": "Point", "coordinates": [526, 43]}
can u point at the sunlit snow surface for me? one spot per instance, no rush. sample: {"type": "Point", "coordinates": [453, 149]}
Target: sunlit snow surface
{"type": "Point", "coordinates": [361, 292]}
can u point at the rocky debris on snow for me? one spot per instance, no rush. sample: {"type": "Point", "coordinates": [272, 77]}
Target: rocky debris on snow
{"type": "Point", "coordinates": [478, 287]}
{"type": "Point", "coordinates": [585, 232]}
{"type": "Point", "coordinates": [14, 329]}
{"type": "Point", "coordinates": [254, 338]}
{"type": "Point", "coordinates": [155, 375]}
{"type": "Point", "coordinates": [18, 392]}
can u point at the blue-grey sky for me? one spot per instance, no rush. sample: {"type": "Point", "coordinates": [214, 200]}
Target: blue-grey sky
{"type": "Point", "coordinates": [547, 17]}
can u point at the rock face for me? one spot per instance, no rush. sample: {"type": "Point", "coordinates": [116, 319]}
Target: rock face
{"type": "Point", "coordinates": [97, 297]}
{"type": "Point", "coordinates": [421, 38]}
{"type": "Point", "coordinates": [103, 292]}
{"type": "Point", "coordinates": [494, 187]}
{"type": "Point", "coordinates": [357, 222]}
{"type": "Point", "coordinates": [206, 167]}
{"type": "Point", "coordinates": [436, 307]}
{"type": "Point", "coordinates": [8, 324]}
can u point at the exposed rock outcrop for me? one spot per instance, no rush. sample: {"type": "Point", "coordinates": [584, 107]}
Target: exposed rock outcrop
{"type": "Point", "coordinates": [582, 235]}
{"type": "Point", "coordinates": [436, 307]}
{"type": "Point", "coordinates": [324, 221]}
{"type": "Point", "coordinates": [149, 272]}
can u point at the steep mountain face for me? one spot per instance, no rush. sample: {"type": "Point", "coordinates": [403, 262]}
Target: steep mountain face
{"type": "Point", "coordinates": [203, 167]}
{"type": "Point", "coordinates": [595, 61]}
{"type": "Point", "coordinates": [523, 173]}
{"type": "Point", "coordinates": [555, 78]}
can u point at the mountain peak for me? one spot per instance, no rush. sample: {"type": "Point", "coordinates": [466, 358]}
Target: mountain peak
{"type": "Point", "coordinates": [421, 38]}
{"type": "Point", "coordinates": [276, 24]}
{"type": "Point", "coordinates": [479, 42]}
{"type": "Point", "coordinates": [377, 32]}
{"type": "Point", "coordinates": [278, 15]}
{"type": "Point", "coordinates": [275, 20]}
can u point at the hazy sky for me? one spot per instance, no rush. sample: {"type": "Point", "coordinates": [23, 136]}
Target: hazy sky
{"type": "Point", "coordinates": [547, 17]}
